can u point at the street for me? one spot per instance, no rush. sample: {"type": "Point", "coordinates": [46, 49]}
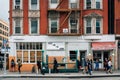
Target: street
{"type": "Point", "coordinates": [105, 78]}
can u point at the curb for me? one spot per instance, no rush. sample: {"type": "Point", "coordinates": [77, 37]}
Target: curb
{"type": "Point", "coordinates": [57, 76]}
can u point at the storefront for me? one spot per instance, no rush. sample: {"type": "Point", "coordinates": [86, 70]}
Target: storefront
{"type": "Point", "coordinates": [102, 50]}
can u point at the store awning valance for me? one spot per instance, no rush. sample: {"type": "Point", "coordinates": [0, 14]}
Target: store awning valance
{"type": "Point", "coordinates": [103, 45]}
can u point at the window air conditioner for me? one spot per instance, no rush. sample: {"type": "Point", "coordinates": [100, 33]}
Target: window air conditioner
{"type": "Point", "coordinates": [17, 7]}
{"type": "Point", "coordinates": [65, 30]}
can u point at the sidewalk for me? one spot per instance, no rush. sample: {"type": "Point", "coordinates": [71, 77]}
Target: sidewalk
{"type": "Point", "coordinates": [58, 75]}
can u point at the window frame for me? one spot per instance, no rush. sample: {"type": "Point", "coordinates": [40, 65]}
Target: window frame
{"type": "Point", "coordinates": [93, 26]}
{"type": "Point", "coordinates": [53, 20]}
{"type": "Point", "coordinates": [30, 27]}
{"type": "Point", "coordinates": [14, 26]}
{"type": "Point", "coordinates": [37, 6]}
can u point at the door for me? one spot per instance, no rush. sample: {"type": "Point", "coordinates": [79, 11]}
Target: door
{"type": "Point", "coordinates": [82, 57]}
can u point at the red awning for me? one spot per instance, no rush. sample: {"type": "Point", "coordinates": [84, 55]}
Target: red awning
{"type": "Point", "coordinates": [103, 45]}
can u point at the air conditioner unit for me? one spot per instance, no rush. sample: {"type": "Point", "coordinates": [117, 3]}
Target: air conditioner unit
{"type": "Point", "coordinates": [65, 30]}
{"type": "Point", "coordinates": [17, 6]}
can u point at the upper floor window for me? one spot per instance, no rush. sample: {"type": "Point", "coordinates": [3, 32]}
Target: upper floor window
{"type": "Point", "coordinates": [93, 4]}
{"type": "Point", "coordinates": [73, 4]}
{"type": "Point", "coordinates": [17, 26]}
{"type": "Point", "coordinates": [54, 1]}
{"type": "Point", "coordinates": [88, 4]}
{"type": "Point", "coordinates": [93, 25]}
{"type": "Point", "coordinates": [18, 4]}
{"type": "Point", "coordinates": [73, 25]}
{"type": "Point", "coordinates": [34, 26]}
{"type": "Point", "coordinates": [34, 4]}
{"type": "Point", "coordinates": [88, 26]}
{"type": "Point", "coordinates": [53, 25]}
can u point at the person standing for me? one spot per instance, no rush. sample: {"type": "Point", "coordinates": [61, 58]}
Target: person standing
{"type": "Point", "coordinates": [106, 64]}
{"type": "Point", "coordinates": [13, 65]}
{"type": "Point", "coordinates": [39, 66]}
{"type": "Point", "coordinates": [19, 65]}
{"type": "Point", "coordinates": [55, 65]}
{"type": "Point", "coordinates": [109, 66]}
{"type": "Point", "coordinates": [97, 65]}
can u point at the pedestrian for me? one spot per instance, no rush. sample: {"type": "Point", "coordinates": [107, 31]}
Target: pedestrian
{"type": "Point", "coordinates": [89, 67]}
{"type": "Point", "coordinates": [85, 70]}
{"type": "Point", "coordinates": [39, 66]}
{"type": "Point", "coordinates": [97, 65]}
{"type": "Point", "coordinates": [55, 66]}
{"type": "Point", "coordinates": [106, 64]}
{"type": "Point", "coordinates": [19, 65]}
{"type": "Point", "coordinates": [13, 65]}
{"type": "Point", "coordinates": [109, 66]}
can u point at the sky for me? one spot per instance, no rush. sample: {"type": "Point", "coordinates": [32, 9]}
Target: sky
{"type": "Point", "coordinates": [4, 8]}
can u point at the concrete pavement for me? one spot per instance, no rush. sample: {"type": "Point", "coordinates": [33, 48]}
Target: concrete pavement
{"type": "Point", "coordinates": [58, 75]}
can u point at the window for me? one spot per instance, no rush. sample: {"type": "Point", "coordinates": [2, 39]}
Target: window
{"type": "Point", "coordinates": [19, 55]}
{"type": "Point", "coordinates": [88, 26]}
{"type": "Point", "coordinates": [88, 4]}
{"type": "Point", "coordinates": [98, 25]}
{"type": "Point", "coordinates": [73, 55]}
{"type": "Point", "coordinates": [93, 4]}
{"type": "Point", "coordinates": [17, 26]}
{"type": "Point", "coordinates": [17, 4]}
{"type": "Point", "coordinates": [25, 56]}
{"type": "Point", "coordinates": [73, 25]}
{"type": "Point", "coordinates": [93, 25]}
{"type": "Point", "coordinates": [97, 4]}
{"type": "Point", "coordinates": [39, 55]}
{"type": "Point", "coordinates": [34, 4]}
{"type": "Point", "coordinates": [53, 25]}
{"type": "Point", "coordinates": [34, 26]}
{"type": "Point", "coordinates": [32, 56]}
{"type": "Point", "coordinates": [54, 1]}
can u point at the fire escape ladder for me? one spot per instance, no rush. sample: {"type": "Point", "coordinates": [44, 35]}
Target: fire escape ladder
{"type": "Point", "coordinates": [65, 20]}
{"type": "Point", "coordinates": [59, 3]}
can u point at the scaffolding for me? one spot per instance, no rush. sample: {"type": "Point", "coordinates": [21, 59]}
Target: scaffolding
{"type": "Point", "coordinates": [73, 12]}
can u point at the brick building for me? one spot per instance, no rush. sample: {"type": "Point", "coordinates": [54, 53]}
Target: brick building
{"type": "Point", "coordinates": [65, 29]}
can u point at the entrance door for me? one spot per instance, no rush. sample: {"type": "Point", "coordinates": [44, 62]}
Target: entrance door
{"type": "Point", "coordinates": [82, 57]}
{"type": "Point", "coordinates": [106, 55]}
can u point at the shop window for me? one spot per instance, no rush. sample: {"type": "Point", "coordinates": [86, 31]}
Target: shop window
{"type": "Point", "coordinates": [39, 55]}
{"type": "Point", "coordinates": [97, 56]}
{"type": "Point", "coordinates": [19, 55]}
{"type": "Point", "coordinates": [73, 55]}
{"type": "Point", "coordinates": [32, 56]}
{"type": "Point", "coordinates": [25, 56]}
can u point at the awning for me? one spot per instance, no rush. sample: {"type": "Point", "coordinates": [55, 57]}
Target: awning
{"type": "Point", "coordinates": [103, 45]}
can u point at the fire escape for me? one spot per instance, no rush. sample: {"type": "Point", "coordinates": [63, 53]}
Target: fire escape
{"type": "Point", "coordinates": [71, 16]}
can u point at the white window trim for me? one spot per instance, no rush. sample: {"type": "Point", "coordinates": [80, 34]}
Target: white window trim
{"type": "Point", "coordinates": [50, 24]}
{"type": "Point", "coordinates": [37, 26]}
{"type": "Point", "coordinates": [53, 4]}
{"type": "Point", "coordinates": [38, 3]}
{"type": "Point", "coordinates": [71, 1]}
{"type": "Point", "coordinates": [21, 25]}
{"type": "Point", "coordinates": [77, 26]}
{"type": "Point", "coordinates": [21, 4]}
{"type": "Point", "coordinates": [93, 4]}
{"type": "Point", "coordinates": [93, 28]}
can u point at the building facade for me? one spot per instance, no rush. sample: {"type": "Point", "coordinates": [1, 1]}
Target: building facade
{"type": "Point", "coordinates": [4, 33]}
{"type": "Point", "coordinates": [65, 29]}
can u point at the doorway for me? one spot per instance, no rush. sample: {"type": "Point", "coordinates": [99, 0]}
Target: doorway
{"type": "Point", "coordinates": [82, 57]}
